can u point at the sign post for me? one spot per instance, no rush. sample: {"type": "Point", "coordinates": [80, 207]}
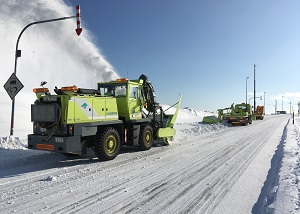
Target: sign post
{"type": "Point", "coordinates": [12, 87]}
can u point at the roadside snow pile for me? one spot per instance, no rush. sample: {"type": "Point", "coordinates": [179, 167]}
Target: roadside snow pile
{"type": "Point", "coordinates": [189, 123]}
{"type": "Point", "coordinates": [191, 111]}
{"type": "Point", "coordinates": [11, 143]}
{"type": "Point", "coordinates": [187, 115]}
{"type": "Point", "coordinates": [288, 192]}
{"type": "Point", "coordinates": [195, 112]}
{"type": "Point", "coordinates": [196, 129]}
{"type": "Point", "coordinates": [13, 152]}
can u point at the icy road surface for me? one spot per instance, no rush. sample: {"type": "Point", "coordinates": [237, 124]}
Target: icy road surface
{"type": "Point", "coordinates": [221, 171]}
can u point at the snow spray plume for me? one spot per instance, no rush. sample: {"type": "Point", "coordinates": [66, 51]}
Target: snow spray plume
{"type": "Point", "coordinates": [51, 52]}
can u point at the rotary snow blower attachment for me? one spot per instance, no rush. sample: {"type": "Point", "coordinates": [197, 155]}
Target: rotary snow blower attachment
{"type": "Point", "coordinates": [162, 121]}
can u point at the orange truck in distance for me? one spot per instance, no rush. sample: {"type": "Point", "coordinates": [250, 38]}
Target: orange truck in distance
{"type": "Point", "coordinates": [259, 112]}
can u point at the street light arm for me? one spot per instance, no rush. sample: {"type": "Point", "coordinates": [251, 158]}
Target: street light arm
{"type": "Point", "coordinates": [34, 23]}
{"type": "Point", "coordinates": [253, 97]}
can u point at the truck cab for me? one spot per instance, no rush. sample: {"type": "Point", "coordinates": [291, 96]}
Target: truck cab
{"type": "Point", "coordinates": [238, 114]}
{"type": "Point", "coordinates": [128, 95]}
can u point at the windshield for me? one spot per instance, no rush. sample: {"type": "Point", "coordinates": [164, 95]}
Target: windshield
{"type": "Point", "coordinates": [112, 90]}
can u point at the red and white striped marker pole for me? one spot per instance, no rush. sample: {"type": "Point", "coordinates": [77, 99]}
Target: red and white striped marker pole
{"type": "Point", "coordinates": [78, 29]}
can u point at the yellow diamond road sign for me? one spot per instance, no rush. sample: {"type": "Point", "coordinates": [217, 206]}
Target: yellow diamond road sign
{"type": "Point", "coordinates": [13, 86]}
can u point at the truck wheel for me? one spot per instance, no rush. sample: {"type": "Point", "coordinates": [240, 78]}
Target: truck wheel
{"type": "Point", "coordinates": [107, 144]}
{"type": "Point", "coordinates": [146, 138]}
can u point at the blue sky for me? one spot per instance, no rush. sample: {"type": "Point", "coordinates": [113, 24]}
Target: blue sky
{"type": "Point", "coordinates": [202, 49]}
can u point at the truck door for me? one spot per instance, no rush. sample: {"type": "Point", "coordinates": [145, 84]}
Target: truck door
{"type": "Point", "coordinates": [134, 102]}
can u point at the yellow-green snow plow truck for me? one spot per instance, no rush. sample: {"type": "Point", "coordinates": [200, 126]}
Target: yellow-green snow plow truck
{"type": "Point", "coordinates": [117, 113]}
{"type": "Point", "coordinates": [237, 114]}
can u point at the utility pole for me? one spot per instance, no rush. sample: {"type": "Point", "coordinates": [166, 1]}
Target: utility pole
{"type": "Point", "coordinates": [290, 107]}
{"type": "Point", "coordinates": [275, 106]}
{"type": "Point", "coordinates": [254, 88]}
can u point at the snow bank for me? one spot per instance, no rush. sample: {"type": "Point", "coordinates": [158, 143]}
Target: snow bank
{"type": "Point", "coordinates": [11, 143]}
{"type": "Point", "coordinates": [187, 115]}
{"type": "Point", "coordinates": [288, 191]}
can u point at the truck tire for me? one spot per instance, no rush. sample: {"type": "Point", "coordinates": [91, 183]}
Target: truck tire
{"type": "Point", "coordinates": [146, 137]}
{"type": "Point", "coordinates": [107, 144]}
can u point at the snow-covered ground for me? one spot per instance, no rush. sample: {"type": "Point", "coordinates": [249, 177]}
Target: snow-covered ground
{"type": "Point", "coordinates": [206, 169]}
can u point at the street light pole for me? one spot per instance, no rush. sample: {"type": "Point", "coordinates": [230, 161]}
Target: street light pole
{"type": "Point", "coordinates": [254, 87]}
{"type": "Point", "coordinates": [18, 52]}
{"type": "Point", "coordinates": [264, 103]}
{"type": "Point", "coordinates": [246, 89]}
{"type": "Point", "coordinates": [282, 103]}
